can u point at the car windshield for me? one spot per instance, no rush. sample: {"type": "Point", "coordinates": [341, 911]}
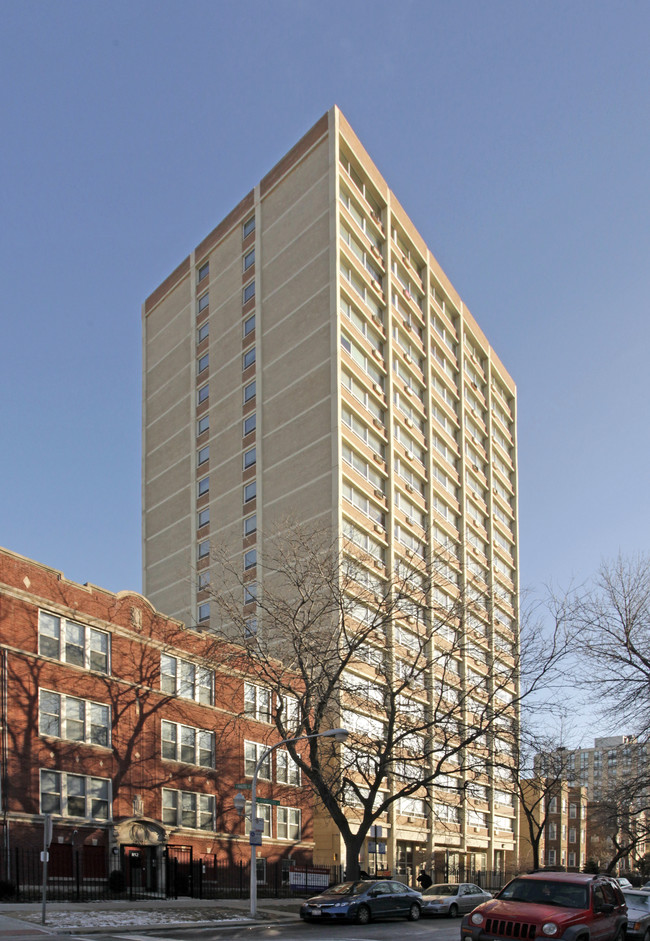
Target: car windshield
{"type": "Point", "coordinates": [637, 899]}
{"type": "Point", "coordinates": [349, 888]}
{"type": "Point", "coordinates": [441, 890]}
{"type": "Point", "coordinates": [546, 892]}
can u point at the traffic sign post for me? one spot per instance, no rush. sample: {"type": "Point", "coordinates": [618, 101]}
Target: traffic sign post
{"type": "Point", "coordinates": [45, 856]}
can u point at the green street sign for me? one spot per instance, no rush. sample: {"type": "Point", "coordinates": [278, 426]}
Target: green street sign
{"type": "Point", "coordinates": [267, 800]}
{"type": "Point", "coordinates": [240, 786]}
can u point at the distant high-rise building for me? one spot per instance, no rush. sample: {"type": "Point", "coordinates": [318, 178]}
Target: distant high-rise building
{"type": "Point", "coordinates": [605, 766]}
{"type": "Point", "coordinates": [310, 359]}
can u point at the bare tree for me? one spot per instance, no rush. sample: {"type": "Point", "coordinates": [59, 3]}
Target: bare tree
{"type": "Point", "coordinates": [620, 819]}
{"type": "Point", "coordinates": [408, 671]}
{"type": "Point", "coordinates": [539, 773]}
{"type": "Point", "coordinates": [609, 621]}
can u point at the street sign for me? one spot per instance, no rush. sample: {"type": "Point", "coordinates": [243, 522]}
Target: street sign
{"type": "Point", "coordinates": [255, 838]}
{"type": "Point", "coordinates": [267, 800]}
{"type": "Point", "coordinates": [47, 836]}
{"type": "Point", "coordinates": [240, 786]}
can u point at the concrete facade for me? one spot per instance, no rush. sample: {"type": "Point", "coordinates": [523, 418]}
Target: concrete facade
{"type": "Point", "coordinates": [310, 359]}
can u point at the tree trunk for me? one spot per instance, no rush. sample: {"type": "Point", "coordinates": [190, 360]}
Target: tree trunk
{"type": "Point", "coordinates": [352, 849]}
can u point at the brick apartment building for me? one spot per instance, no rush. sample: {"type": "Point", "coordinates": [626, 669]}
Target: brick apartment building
{"type": "Point", "coordinates": [115, 722]}
{"type": "Point", "coordinates": [564, 838]}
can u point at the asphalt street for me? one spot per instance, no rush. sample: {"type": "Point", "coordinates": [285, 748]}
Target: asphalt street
{"type": "Point", "coordinates": [440, 929]}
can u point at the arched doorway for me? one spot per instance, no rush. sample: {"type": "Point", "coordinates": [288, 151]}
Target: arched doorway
{"type": "Point", "coordinates": [139, 842]}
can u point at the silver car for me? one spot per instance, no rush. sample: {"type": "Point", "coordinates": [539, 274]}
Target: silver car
{"type": "Point", "coordinates": [453, 898]}
{"type": "Point", "coordinates": [638, 914]}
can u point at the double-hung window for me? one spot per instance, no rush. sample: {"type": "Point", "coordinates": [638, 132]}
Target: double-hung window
{"type": "Point", "coordinates": [250, 457]}
{"type": "Point", "coordinates": [257, 702]}
{"type": "Point", "coordinates": [76, 720]}
{"type": "Point", "coordinates": [249, 291]}
{"type": "Point", "coordinates": [203, 549]}
{"type": "Point", "coordinates": [73, 643]}
{"type": "Point", "coordinates": [288, 823]}
{"type": "Point", "coordinates": [187, 680]}
{"type": "Point", "coordinates": [187, 744]}
{"type": "Point", "coordinates": [253, 752]}
{"type": "Point", "coordinates": [188, 809]}
{"type": "Point", "coordinates": [286, 770]}
{"type": "Point", "coordinates": [263, 812]}
{"type": "Point", "coordinates": [75, 795]}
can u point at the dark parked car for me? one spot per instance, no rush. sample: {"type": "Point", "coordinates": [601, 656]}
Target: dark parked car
{"type": "Point", "coordinates": [638, 914]}
{"type": "Point", "coordinates": [362, 900]}
{"type": "Point", "coordinates": [564, 906]}
{"type": "Point", "coordinates": [452, 898]}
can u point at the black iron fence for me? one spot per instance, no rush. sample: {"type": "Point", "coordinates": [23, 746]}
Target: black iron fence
{"type": "Point", "coordinates": [92, 874]}
{"type": "Point", "coordinates": [492, 880]}
{"type": "Point", "coordinates": [139, 872]}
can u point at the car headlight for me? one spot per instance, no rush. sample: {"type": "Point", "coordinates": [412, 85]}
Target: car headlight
{"type": "Point", "coordinates": [549, 929]}
{"type": "Point", "coordinates": [477, 918]}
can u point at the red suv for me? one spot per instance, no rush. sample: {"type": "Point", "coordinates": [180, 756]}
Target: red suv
{"type": "Point", "coordinates": [565, 906]}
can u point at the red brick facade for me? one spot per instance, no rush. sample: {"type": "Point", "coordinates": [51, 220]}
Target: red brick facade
{"type": "Point", "coordinates": [114, 721]}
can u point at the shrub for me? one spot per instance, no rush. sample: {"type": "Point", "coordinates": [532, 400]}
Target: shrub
{"type": "Point", "coordinates": [116, 881]}
{"type": "Point", "coordinates": [7, 889]}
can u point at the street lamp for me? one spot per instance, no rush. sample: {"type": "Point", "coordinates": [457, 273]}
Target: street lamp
{"type": "Point", "coordinates": [339, 735]}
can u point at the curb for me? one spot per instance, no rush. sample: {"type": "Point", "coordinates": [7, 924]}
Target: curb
{"type": "Point", "coordinates": [20, 928]}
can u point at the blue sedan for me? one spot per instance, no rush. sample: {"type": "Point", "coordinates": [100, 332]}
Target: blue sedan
{"type": "Point", "coordinates": [362, 900]}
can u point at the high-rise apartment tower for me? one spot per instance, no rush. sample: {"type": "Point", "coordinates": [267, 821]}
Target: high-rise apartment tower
{"type": "Point", "coordinates": [310, 359]}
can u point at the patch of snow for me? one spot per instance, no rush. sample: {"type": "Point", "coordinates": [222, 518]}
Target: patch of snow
{"type": "Point", "coordinates": [131, 919]}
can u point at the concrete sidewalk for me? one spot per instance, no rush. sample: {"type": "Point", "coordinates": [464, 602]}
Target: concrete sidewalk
{"type": "Point", "coordinates": [23, 922]}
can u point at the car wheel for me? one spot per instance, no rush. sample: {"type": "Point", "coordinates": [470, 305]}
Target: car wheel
{"type": "Point", "coordinates": [620, 935]}
{"type": "Point", "coordinates": [363, 915]}
{"type": "Point", "coordinates": [453, 911]}
{"type": "Point", "coordinates": [646, 936]}
{"type": "Point", "coordinates": [414, 913]}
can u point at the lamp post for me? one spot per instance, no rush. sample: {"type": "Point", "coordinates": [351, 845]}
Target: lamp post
{"type": "Point", "coordinates": [339, 735]}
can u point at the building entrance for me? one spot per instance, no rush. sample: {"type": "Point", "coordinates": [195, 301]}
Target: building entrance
{"type": "Point", "coordinates": [140, 867]}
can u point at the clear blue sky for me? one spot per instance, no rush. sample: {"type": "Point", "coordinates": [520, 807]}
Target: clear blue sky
{"type": "Point", "coordinates": [516, 135]}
